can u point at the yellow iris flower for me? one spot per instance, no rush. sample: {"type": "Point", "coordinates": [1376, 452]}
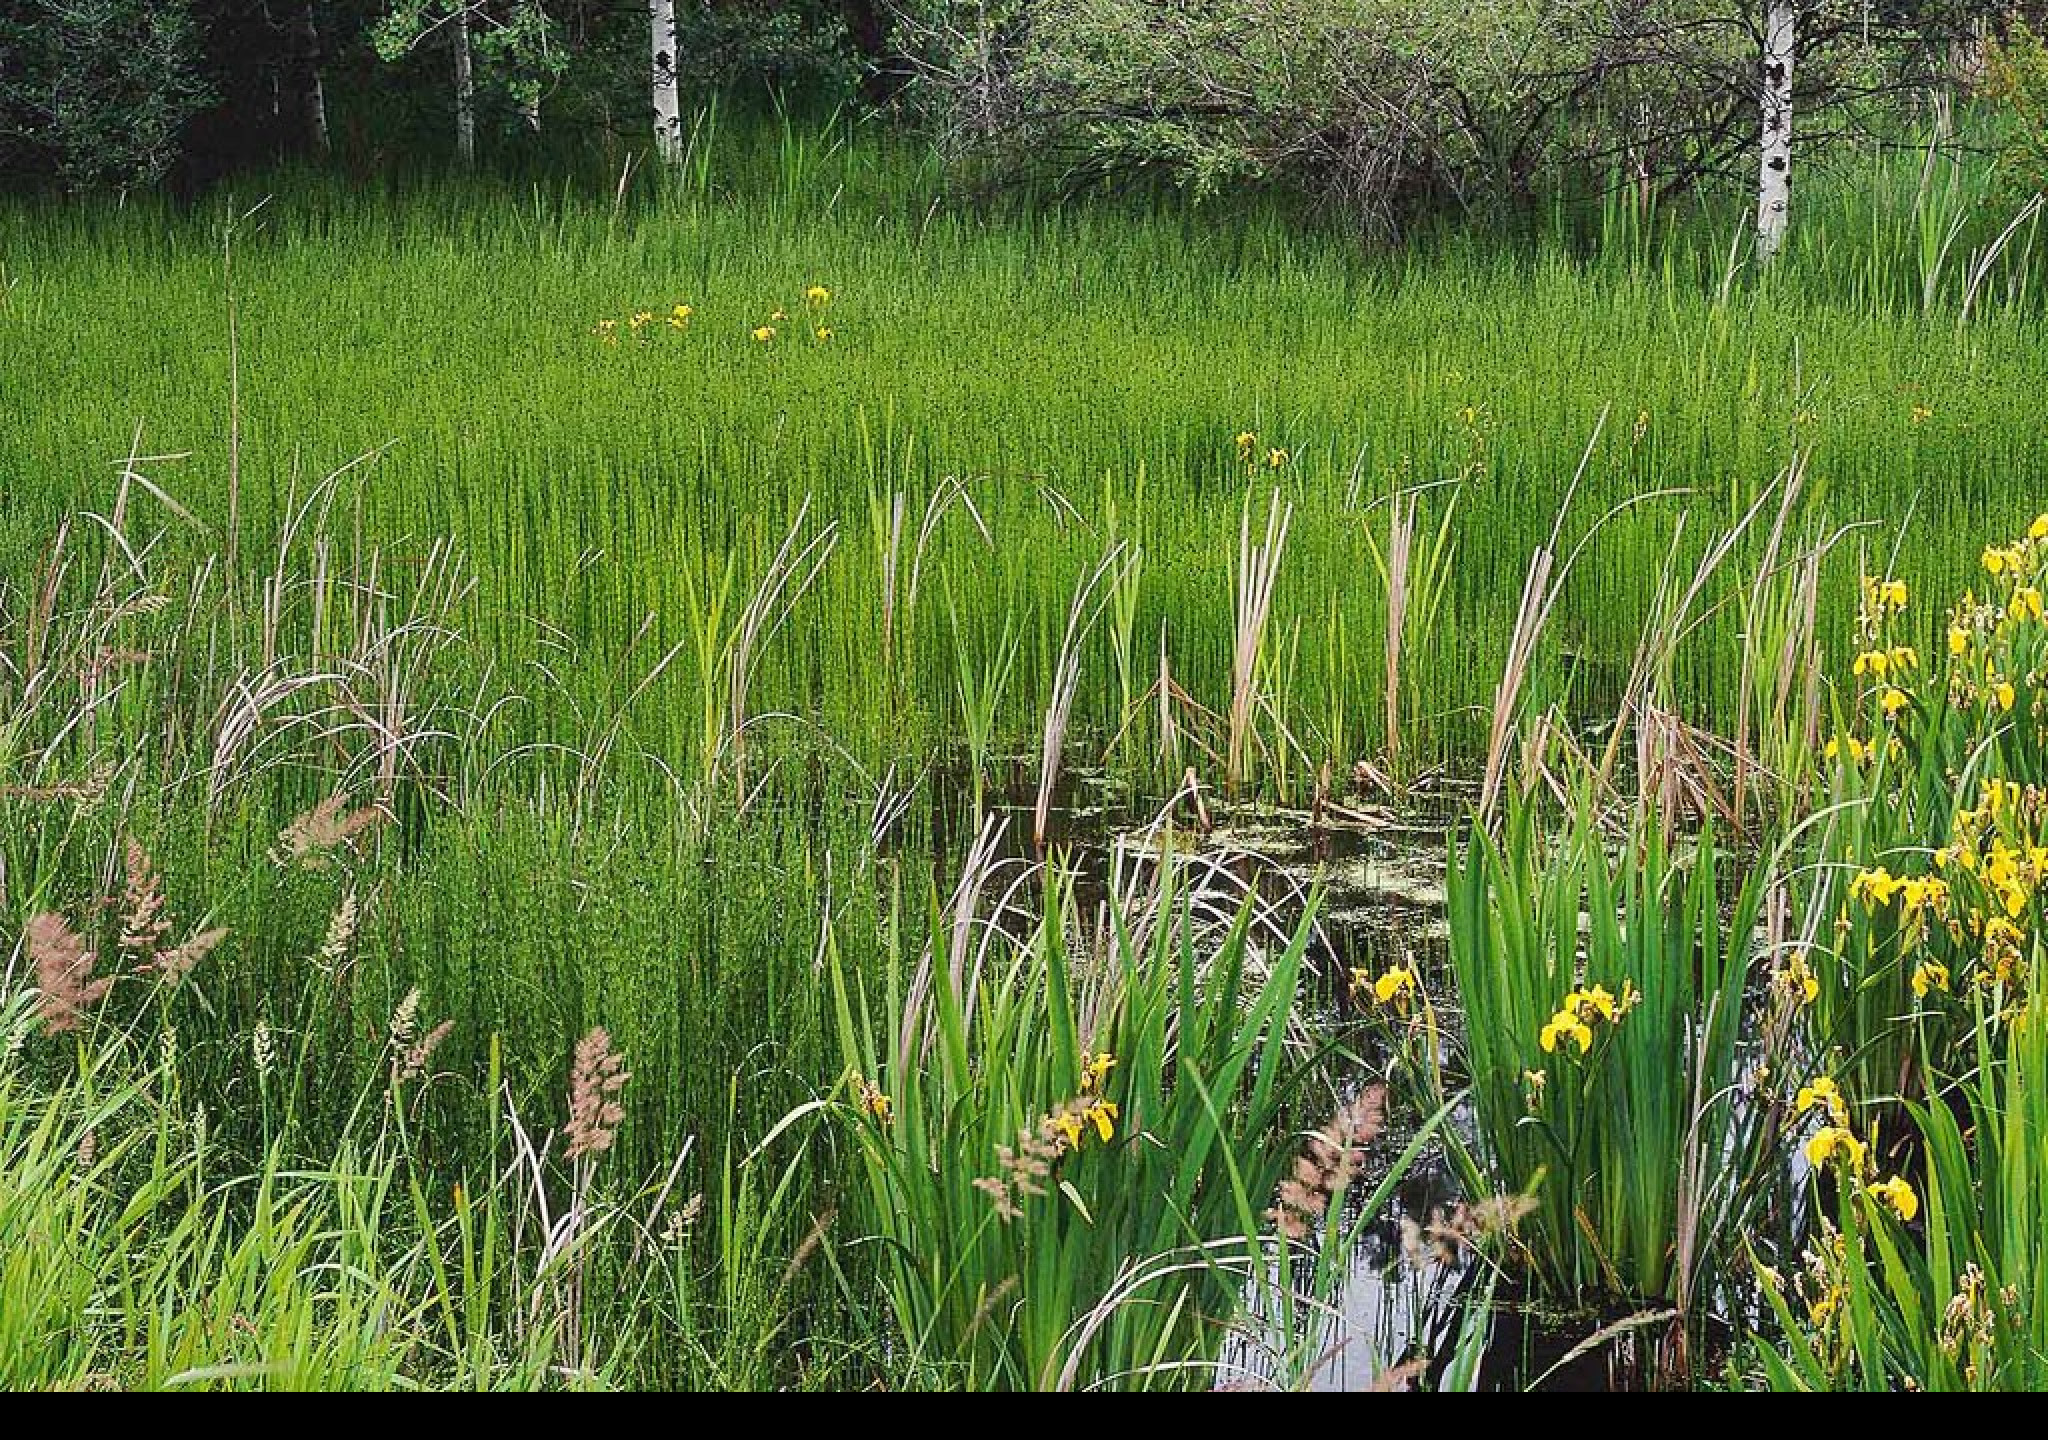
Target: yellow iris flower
{"type": "Point", "coordinates": [1896, 1193]}
{"type": "Point", "coordinates": [1823, 1092]}
{"type": "Point", "coordinates": [1398, 983]}
{"type": "Point", "coordinates": [1835, 1141]}
{"type": "Point", "coordinates": [1566, 1025]}
{"type": "Point", "coordinates": [1875, 888]}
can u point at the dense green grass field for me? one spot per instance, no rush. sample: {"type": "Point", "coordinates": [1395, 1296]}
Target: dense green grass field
{"type": "Point", "coordinates": [670, 654]}
{"type": "Point", "coordinates": [1082, 373]}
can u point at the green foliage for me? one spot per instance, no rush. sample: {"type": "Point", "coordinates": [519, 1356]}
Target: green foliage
{"type": "Point", "coordinates": [1604, 1003]}
{"type": "Point", "coordinates": [2017, 78]}
{"type": "Point", "coordinates": [520, 50]}
{"type": "Point", "coordinates": [1960, 1302]}
{"type": "Point", "coordinates": [1927, 851]}
{"type": "Point", "coordinates": [1112, 1251]}
{"type": "Point", "coordinates": [98, 91]}
{"type": "Point", "coordinates": [1389, 110]}
{"type": "Point", "coordinates": [524, 642]}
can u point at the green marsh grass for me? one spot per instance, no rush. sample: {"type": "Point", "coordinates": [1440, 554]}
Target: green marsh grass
{"type": "Point", "coordinates": [1604, 1005]}
{"type": "Point", "coordinates": [645, 666]}
{"type": "Point", "coordinates": [1073, 372]}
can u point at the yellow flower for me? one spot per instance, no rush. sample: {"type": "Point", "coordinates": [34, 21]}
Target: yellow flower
{"type": "Point", "coordinates": [778, 315]}
{"type": "Point", "coordinates": [1920, 413]}
{"type": "Point", "coordinates": [818, 296]}
{"type": "Point", "coordinates": [1599, 999]}
{"type": "Point", "coordinates": [872, 1100]}
{"type": "Point", "coordinates": [1796, 978]}
{"type": "Point", "coordinates": [1103, 1115]}
{"type": "Point", "coordinates": [1276, 459]}
{"type": "Point", "coordinates": [1822, 1091]}
{"type": "Point", "coordinates": [1927, 892]}
{"type": "Point", "coordinates": [1566, 1025]}
{"type": "Point", "coordinates": [1994, 559]}
{"type": "Point", "coordinates": [824, 333]}
{"type": "Point", "coordinates": [1875, 888]}
{"type": "Point", "coordinates": [1398, 984]}
{"type": "Point", "coordinates": [1958, 640]}
{"type": "Point", "coordinates": [1832, 1141]}
{"type": "Point", "coordinates": [2039, 529]}
{"type": "Point", "coordinates": [2004, 694]}
{"type": "Point", "coordinates": [1858, 750]}
{"type": "Point", "coordinates": [1068, 1127]}
{"type": "Point", "coordinates": [1891, 700]}
{"type": "Point", "coordinates": [1095, 1070]}
{"type": "Point", "coordinates": [763, 334]}
{"type": "Point", "coordinates": [679, 318]}
{"type": "Point", "coordinates": [2026, 604]}
{"type": "Point", "coordinates": [1247, 441]}
{"type": "Point", "coordinates": [1893, 594]}
{"type": "Point", "coordinates": [1929, 975]}
{"type": "Point", "coordinates": [1874, 662]}
{"type": "Point", "coordinates": [1896, 1193]}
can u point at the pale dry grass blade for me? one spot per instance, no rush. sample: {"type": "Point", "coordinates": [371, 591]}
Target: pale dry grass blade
{"type": "Point", "coordinates": [1090, 595]}
{"type": "Point", "coordinates": [1258, 572]}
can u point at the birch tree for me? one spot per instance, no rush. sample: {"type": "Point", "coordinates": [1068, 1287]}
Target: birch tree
{"type": "Point", "coordinates": [465, 91]}
{"type": "Point", "coordinates": [1774, 183]}
{"type": "Point", "coordinates": [312, 84]}
{"type": "Point", "coordinates": [668, 112]}
{"type": "Point", "coordinates": [509, 48]}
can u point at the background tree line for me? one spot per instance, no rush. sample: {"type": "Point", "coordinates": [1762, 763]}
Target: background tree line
{"type": "Point", "coordinates": [109, 93]}
{"type": "Point", "coordinates": [1379, 109]}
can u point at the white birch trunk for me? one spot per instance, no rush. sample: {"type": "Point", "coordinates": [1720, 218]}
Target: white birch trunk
{"type": "Point", "coordinates": [315, 96]}
{"type": "Point", "coordinates": [668, 111]}
{"type": "Point", "coordinates": [465, 93]}
{"type": "Point", "coordinates": [1774, 184]}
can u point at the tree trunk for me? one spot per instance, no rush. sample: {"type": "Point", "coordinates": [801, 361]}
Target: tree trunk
{"type": "Point", "coordinates": [312, 88]}
{"type": "Point", "coordinates": [668, 111]}
{"type": "Point", "coordinates": [465, 93]}
{"type": "Point", "coordinates": [1774, 185]}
